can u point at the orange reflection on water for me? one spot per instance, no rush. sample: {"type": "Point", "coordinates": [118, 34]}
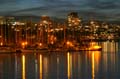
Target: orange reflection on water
{"type": "Point", "coordinates": [95, 62]}
{"type": "Point", "coordinates": [23, 67]}
{"type": "Point", "coordinates": [69, 65]}
{"type": "Point", "coordinates": [93, 66]}
{"type": "Point", "coordinates": [40, 66]}
{"type": "Point", "coordinates": [45, 67]}
{"type": "Point", "coordinates": [104, 46]}
{"type": "Point", "coordinates": [110, 46]}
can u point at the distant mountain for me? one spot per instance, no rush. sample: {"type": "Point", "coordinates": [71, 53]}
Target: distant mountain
{"type": "Point", "coordinates": [27, 18]}
{"type": "Point", "coordinates": [36, 18]}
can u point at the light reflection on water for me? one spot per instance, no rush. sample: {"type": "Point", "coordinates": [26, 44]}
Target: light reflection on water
{"type": "Point", "coordinates": [95, 62]}
{"type": "Point", "coordinates": [40, 66]}
{"type": "Point", "coordinates": [110, 46]}
{"type": "Point", "coordinates": [23, 67]}
{"type": "Point", "coordinates": [63, 65]}
{"type": "Point", "coordinates": [69, 65]}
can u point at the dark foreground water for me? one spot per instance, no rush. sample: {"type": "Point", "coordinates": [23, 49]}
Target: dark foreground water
{"type": "Point", "coordinates": [103, 64]}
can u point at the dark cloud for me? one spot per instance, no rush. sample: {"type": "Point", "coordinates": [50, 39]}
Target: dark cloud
{"type": "Point", "coordinates": [104, 4]}
{"type": "Point", "coordinates": [99, 9]}
{"type": "Point", "coordinates": [7, 1]}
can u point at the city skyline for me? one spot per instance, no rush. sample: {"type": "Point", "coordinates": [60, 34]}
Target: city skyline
{"type": "Point", "coordinates": [107, 10]}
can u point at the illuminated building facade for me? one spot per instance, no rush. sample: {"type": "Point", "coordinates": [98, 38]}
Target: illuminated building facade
{"type": "Point", "coordinates": [2, 20]}
{"type": "Point", "coordinates": [43, 30]}
{"type": "Point", "coordinates": [73, 20]}
{"type": "Point", "coordinates": [73, 24]}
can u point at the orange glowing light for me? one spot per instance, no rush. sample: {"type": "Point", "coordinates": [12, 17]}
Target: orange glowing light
{"type": "Point", "coordinates": [1, 43]}
{"type": "Point", "coordinates": [45, 22]}
{"type": "Point", "coordinates": [26, 43]}
{"type": "Point", "coordinates": [68, 43]}
{"type": "Point", "coordinates": [97, 47]}
{"type": "Point", "coordinates": [52, 42]}
{"type": "Point", "coordinates": [40, 44]}
{"type": "Point", "coordinates": [93, 43]}
{"type": "Point", "coordinates": [23, 44]}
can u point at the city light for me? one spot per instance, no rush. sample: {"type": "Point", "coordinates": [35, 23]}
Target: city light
{"type": "Point", "coordinates": [24, 44]}
{"type": "Point", "coordinates": [1, 43]}
{"type": "Point", "coordinates": [40, 44]}
{"type": "Point", "coordinates": [48, 31]}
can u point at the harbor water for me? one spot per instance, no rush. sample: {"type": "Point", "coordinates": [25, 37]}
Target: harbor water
{"type": "Point", "coordinates": [104, 64]}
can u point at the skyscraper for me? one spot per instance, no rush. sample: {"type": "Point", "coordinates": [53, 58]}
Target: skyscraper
{"type": "Point", "coordinates": [73, 24]}
{"type": "Point", "coordinates": [43, 30]}
{"type": "Point", "coordinates": [73, 19]}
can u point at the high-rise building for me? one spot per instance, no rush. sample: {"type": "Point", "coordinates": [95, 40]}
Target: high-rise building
{"type": "Point", "coordinates": [73, 19]}
{"type": "Point", "coordinates": [73, 24]}
{"type": "Point", "coordinates": [17, 29]}
{"type": "Point", "coordinates": [9, 32]}
{"type": "Point", "coordinates": [5, 30]}
{"type": "Point", "coordinates": [2, 20]}
{"type": "Point", "coordinates": [43, 30]}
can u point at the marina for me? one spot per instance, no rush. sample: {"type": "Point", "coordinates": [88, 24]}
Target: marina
{"type": "Point", "coordinates": [93, 47]}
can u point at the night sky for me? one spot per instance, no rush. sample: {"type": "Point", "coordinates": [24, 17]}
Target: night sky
{"type": "Point", "coordinates": [98, 9]}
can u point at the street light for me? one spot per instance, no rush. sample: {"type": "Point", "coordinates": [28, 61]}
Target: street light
{"type": "Point", "coordinates": [24, 44]}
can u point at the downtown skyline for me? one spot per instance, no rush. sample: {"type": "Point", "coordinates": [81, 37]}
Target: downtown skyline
{"type": "Point", "coordinates": [105, 10]}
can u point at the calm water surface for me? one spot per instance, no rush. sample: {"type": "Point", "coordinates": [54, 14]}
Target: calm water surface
{"type": "Point", "coordinates": [103, 64]}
